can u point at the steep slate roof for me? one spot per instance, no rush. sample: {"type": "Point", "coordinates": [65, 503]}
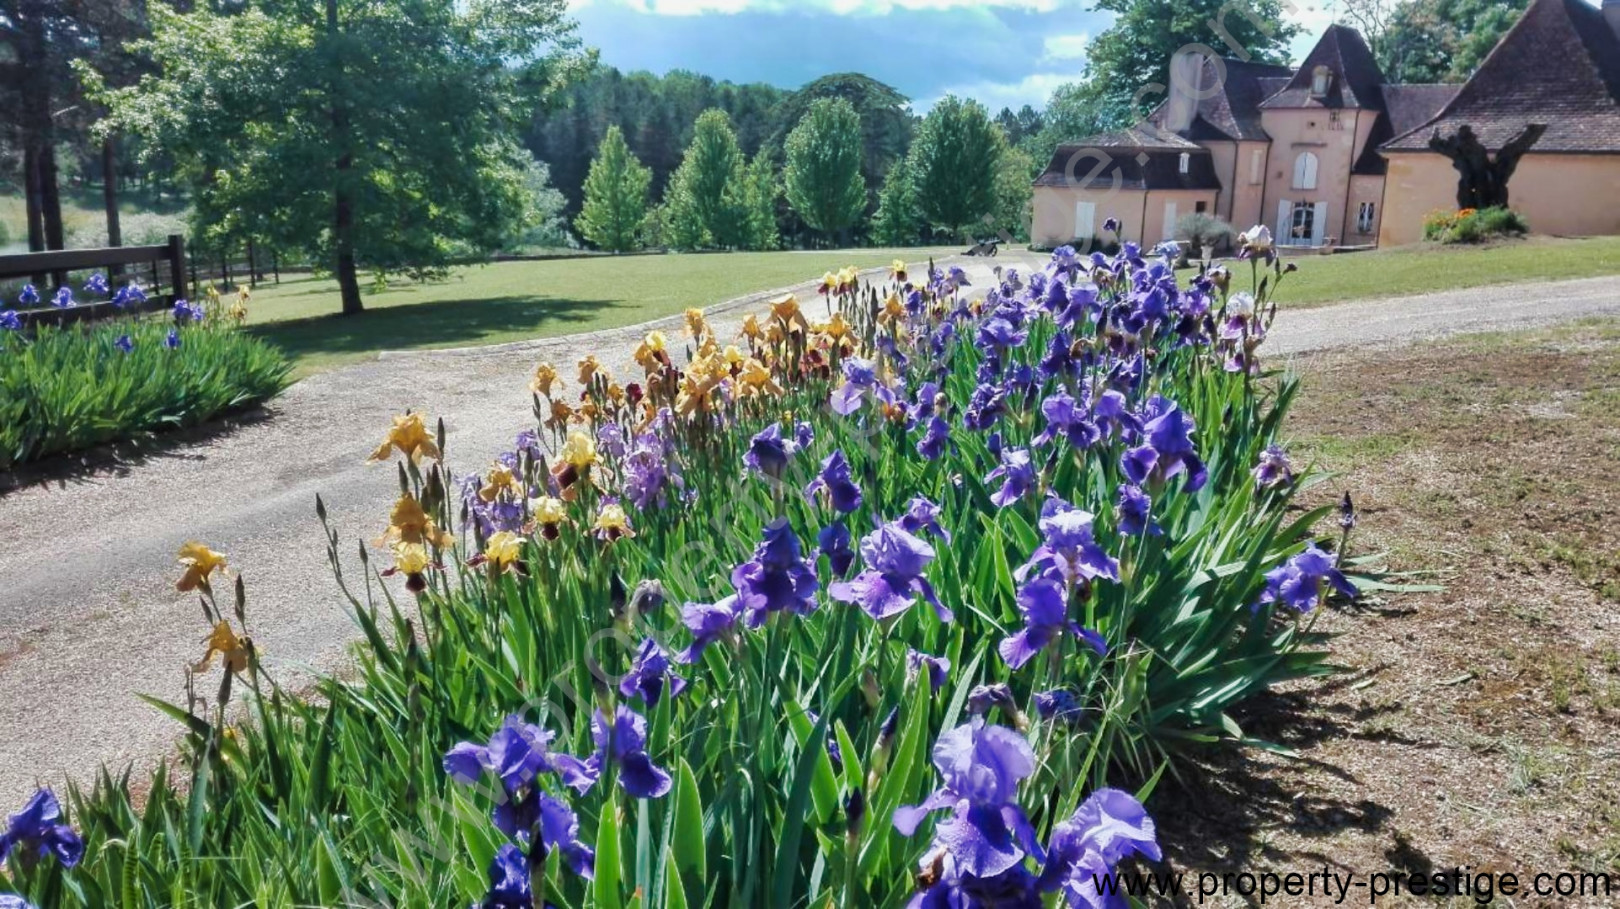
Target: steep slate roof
{"type": "Point", "coordinates": [1405, 107]}
{"type": "Point", "coordinates": [1356, 76]}
{"type": "Point", "coordinates": [1132, 164]}
{"type": "Point", "coordinates": [1233, 113]}
{"type": "Point", "coordinates": [1559, 66]}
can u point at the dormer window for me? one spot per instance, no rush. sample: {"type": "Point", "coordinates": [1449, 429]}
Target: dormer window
{"type": "Point", "coordinates": [1186, 162]}
{"type": "Point", "coordinates": [1321, 79]}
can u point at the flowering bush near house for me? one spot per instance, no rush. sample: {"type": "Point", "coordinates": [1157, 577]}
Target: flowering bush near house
{"type": "Point", "coordinates": [1472, 225]}
{"type": "Point", "coordinates": [906, 594]}
{"type": "Point", "coordinates": [67, 389]}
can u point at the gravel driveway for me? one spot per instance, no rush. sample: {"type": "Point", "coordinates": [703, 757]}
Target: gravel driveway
{"type": "Point", "coordinates": [88, 612]}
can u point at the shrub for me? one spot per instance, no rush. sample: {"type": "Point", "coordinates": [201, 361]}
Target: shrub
{"type": "Point", "coordinates": [67, 389]}
{"type": "Point", "coordinates": [1203, 233]}
{"type": "Point", "coordinates": [1470, 225]}
{"type": "Point", "coordinates": [711, 653]}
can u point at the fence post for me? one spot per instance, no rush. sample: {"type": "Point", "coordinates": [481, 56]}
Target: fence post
{"type": "Point", "coordinates": [177, 264]}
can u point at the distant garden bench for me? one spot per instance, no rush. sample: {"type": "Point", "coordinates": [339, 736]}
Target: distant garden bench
{"type": "Point", "coordinates": [154, 267]}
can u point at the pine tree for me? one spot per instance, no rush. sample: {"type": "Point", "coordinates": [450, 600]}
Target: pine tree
{"type": "Point", "coordinates": [615, 196]}
{"type": "Point", "coordinates": [897, 221]}
{"type": "Point", "coordinates": [823, 179]}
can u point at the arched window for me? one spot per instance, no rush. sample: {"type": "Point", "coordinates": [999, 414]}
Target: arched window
{"type": "Point", "coordinates": [1305, 171]}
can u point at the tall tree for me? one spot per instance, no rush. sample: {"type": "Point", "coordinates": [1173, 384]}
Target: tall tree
{"type": "Point", "coordinates": [376, 135]}
{"type": "Point", "coordinates": [1015, 191]}
{"type": "Point", "coordinates": [756, 193]}
{"type": "Point", "coordinates": [1433, 40]}
{"type": "Point", "coordinates": [615, 196]}
{"type": "Point", "coordinates": [1128, 65]}
{"type": "Point", "coordinates": [886, 125]}
{"type": "Point", "coordinates": [954, 163]}
{"type": "Point", "coordinates": [897, 221]}
{"type": "Point", "coordinates": [703, 199]}
{"type": "Point", "coordinates": [823, 175]}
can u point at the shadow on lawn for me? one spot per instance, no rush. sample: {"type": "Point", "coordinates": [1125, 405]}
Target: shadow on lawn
{"type": "Point", "coordinates": [448, 323]}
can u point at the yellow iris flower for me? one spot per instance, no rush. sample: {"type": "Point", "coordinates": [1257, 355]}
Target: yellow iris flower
{"type": "Point", "coordinates": [549, 515]}
{"type": "Point", "coordinates": [579, 451]}
{"type": "Point", "coordinates": [751, 329]}
{"type": "Point", "coordinates": [612, 523]}
{"type": "Point", "coordinates": [233, 650]}
{"type": "Point", "coordinates": [408, 523]}
{"type": "Point", "coordinates": [589, 368]}
{"type": "Point", "coordinates": [500, 478]}
{"type": "Point", "coordinates": [696, 325]}
{"type": "Point", "coordinates": [200, 562]}
{"type": "Point", "coordinates": [410, 435]}
{"type": "Point", "coordinates": [897, 270]}
{"type": "Point", "coordinates": [503, 549]}
{"type": "Point", "coordinates": [757, 379]}
{"type": "Point", "coordinates": [651, 355]}
{"type": "Point", "coordinates": [545, 379]}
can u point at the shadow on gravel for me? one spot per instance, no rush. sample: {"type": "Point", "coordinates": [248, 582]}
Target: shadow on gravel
{"type": "Point", "coordinates": [451, 323]}
{"type": "Point", "coordinates": [118, 459]}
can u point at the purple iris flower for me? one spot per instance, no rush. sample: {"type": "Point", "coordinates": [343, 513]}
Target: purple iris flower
{"type": "Point", "coordinates": [172, 341]}
{"type": "Point", "coordinates": [1168, 451]}
{"type": "Point", "coordinates": [626, 740]}
{"type": "Point", "coordinates": [1274, 469]}
{"type": "Point", "coordinates": [1015, 888]}
{"type": "Point", "coordinates": [768, 452]}
{"type": "Point", "coordinates": [985, 407]}
{"type": "Point", "coordinates": [650, 673]}
{"type": "Point", "coordinates": [1067, 418]}
{"type": "Point", "coordinates": [984, 697]}
{"type": "Point", "coordinates": [649, 472]}
{"type": "Point", "coordinates": [803, 433]}
{"type": "Point", "coordinates": [708, 622]}
{"type": "Point", "coordinates": [1298, 583]}
{"type": "Point", "coordinates": [1058, 704]}
{"type": "Point", "coordinates": [936, 438]}
{"type": "Point", "coordinates": [129, 295]}
{"type": "Point", "coordinates": [96, 285]}
{"type": "Point", "coordinates": [1044, 602]}
{"type": "Point", "coordinates": [1068, 546]}
{"type": "Point", "coordinates": [124, 343]}
{"type": "Point", "coordinates": [1135, 512]}
{"type": "Point", "coordinates": [610, 439]}
{"type": "Point", "coordinates": [528, 442]}
{"type": "Point", "coordinates": [938, 668]}
{"type": "Point", "coordinates": [10, 321]}
{"type": "Point", "coordinates": [860, 380]}
{"type": "Point", "coordinates": [64, 298]}
{"type": "Point", "coordinates": [516, 755]}
{"type": "Point", "coordinates": [980, 767]}
{"type": "Point", "coordinates": [834, 542]}
{"type": "Point", "coordinates": [28, 297]}
{"type": "Point", "coordinates": [1110, 225]}
{"type": "Point", "coordinates": [36, 832]}
{"type": "Point", "coordinates": [1000, 332]}
{"type": "Point", "coordinates": [509, 886]}
{"type": "Point", "coordinates": [835, 481]}
{"type": "Point", "coordinates": [185, 312]}
{"type": "Point", "coordinates": [12, 901]}
{"type": "Point", "coordinates": [922, 515]}
{"type": "Point", "coordinates": [892, 580]}
{"type": "Point", "coordinates": [1017, 476]}
{"type": "Point", "coordinates": [1108, 827]}
{"type": "Point", "coordinates": [1113, 413]}
{"type": "Point", "coordinates": [777, 577]}
{"type": "Point", "coordinates": [1059, 360]}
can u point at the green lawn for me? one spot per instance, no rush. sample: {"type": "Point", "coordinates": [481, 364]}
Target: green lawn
{"type": "Point", "coordinates": [514, 301]}
{"type": "Point", "coordinates": [1421, 269]}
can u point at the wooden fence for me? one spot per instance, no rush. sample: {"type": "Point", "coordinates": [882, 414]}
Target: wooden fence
{"type": "Point", "coordinates": [160, 270]}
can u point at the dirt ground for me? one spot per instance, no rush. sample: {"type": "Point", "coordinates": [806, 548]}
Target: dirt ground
{"type": "Point", "coordinates": [1475, 726]}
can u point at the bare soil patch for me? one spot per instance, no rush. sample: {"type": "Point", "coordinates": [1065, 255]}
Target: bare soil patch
{"type": "Point", "coordinates": [1475, 726]}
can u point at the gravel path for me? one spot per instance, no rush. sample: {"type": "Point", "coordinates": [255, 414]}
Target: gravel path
{"type": "Point", "coordinates": [88, 612]}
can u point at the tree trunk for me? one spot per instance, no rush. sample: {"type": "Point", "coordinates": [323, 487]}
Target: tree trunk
{"type": "Point", "coordinates": [36, 209]}
{"type": "Point", "coordinates": [343, 194]}
{"type": "Point", "coordinates": [50, 197]}
{"type": "Point", "coordinates": [109, 198]}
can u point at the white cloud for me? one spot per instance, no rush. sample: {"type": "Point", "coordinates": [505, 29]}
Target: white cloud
{"type": "Point", "coordinates": [1067, 47]}
{"type": "Point", "coordinates": [1034, 89]}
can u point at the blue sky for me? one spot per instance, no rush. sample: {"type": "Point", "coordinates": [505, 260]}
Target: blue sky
{"type": "Point", "coordinates": [1001, 52]}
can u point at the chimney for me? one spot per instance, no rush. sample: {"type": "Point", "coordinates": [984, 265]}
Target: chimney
{"type": "Point", "coordinates": [1186, 69]}
{"type": "Point", "coordinates": [1611, 12]}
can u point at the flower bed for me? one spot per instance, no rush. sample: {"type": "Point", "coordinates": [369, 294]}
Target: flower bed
{"type": "Point", "coordinates": [67, 389]}
{"type": "Point", "coordinates": [1473, 225]}
{"type": "Point", "coordinates": [906, 593]}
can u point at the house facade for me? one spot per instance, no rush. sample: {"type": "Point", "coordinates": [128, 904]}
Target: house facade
{"type": "Point", "coordinates": [1331, 154]}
